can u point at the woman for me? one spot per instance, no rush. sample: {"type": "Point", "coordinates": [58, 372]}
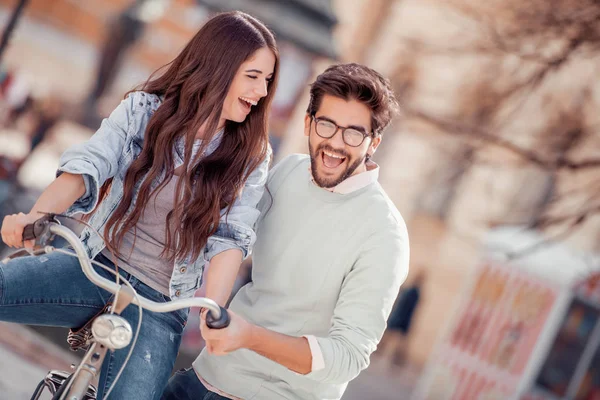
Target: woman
{"type": "Point", "coordinates": [173, 177]}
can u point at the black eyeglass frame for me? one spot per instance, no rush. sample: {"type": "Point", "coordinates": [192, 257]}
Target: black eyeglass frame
{"type": "Point", "coordinates": [342, 128]}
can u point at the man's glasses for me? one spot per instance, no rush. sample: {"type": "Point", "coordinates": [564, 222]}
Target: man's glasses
{"type": "Point", "coordinates": [327, 129]}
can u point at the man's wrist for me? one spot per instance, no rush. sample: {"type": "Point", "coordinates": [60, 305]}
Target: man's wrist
{"type": "Point", "coordinates": [251, 337]}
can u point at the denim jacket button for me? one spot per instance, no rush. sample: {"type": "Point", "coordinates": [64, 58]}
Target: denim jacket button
{"type": "Point", "coordinates": [182, 270]}
{"type": "Point", "coordinates": [178, 293]}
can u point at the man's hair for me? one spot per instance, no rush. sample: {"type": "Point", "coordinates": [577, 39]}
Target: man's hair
{"type": "Point", "coordinates": [356, 82]}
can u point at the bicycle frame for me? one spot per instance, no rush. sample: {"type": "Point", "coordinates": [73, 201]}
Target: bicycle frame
{"type": "Point", "coordinates": [55, 381]}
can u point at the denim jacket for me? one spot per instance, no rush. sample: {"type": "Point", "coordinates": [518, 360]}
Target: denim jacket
{"type": "Point", "coordinates": [110, 152]}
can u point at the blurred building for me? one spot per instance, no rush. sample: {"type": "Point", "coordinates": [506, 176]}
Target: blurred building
{"type": "Point", "coordinates": [66, 49]}
{"type": "Point", "coordinates": [303, 30]}
{"type": "Point", "coordinates": [62, 40]}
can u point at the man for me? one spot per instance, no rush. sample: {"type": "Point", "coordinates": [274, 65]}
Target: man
{"type": "Point", "coordinates": [331, 253]}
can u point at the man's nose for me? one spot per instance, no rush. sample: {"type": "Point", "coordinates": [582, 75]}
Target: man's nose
{"type": "Point", "coordinates": [337, 140]}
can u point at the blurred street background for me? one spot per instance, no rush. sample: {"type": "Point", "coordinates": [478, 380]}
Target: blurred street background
{"type": "Point", "coordinates": [494, 164]}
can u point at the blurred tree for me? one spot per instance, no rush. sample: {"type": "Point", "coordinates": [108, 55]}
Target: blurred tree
{"type": "Point", "coordinates": [123, 32]}
{"type": "Point", "coordinates": [529, 87]}
{"type": "Point", "coordinates": [12, 23]}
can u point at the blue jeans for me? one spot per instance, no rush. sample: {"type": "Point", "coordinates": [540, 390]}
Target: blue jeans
{"type": "Point", "coordinates": [52, 290]}
{"type": "Point", "coordinates": [185, 385]}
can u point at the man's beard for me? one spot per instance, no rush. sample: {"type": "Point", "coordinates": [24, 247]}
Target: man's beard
{"type": "Point", "coordinates": [332, 181]}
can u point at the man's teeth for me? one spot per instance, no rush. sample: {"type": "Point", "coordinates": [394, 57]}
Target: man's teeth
{"type": "Point", "coordinates": [332, 155]}
{"type": "Point", "coordinates": [247, 100]}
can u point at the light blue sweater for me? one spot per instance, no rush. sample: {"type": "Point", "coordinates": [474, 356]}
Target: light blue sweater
{"type": "Point", "coordinates": [324, 264]}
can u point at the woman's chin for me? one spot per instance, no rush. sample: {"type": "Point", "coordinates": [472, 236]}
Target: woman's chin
{"type": "Point", "coordinates": [238, 119]}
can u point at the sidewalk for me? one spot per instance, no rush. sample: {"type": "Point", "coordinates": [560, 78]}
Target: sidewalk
{"type": "Point", "coordinates": [26, 359]}
{"type": "Point", "coordinates": [27, 356]}
{"type": "Point", "coordinates": [382, 382]}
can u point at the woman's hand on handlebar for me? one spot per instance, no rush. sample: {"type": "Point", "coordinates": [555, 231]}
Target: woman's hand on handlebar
{"type": "Point", "coordinates": [57, 198]}
{"type": "Point", "coordinates": [12, 229]}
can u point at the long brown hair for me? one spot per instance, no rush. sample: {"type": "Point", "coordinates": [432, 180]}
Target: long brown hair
{"type": "Point", "coordinates": [194, 87]}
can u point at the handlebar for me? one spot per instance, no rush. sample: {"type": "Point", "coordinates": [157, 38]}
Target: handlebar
{"type": "Point", "coordinates": [48, 225]}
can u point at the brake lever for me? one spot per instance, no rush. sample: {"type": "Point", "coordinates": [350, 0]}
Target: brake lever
{"type": "Point", "coordinates": [39, 229]}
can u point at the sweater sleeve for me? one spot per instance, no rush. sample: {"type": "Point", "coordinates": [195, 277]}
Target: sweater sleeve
{"type": "Point", "coordinates": [365, 302]}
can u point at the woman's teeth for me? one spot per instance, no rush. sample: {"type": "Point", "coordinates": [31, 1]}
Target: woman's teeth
{"type": "Point", "coordinates": [249, 101]}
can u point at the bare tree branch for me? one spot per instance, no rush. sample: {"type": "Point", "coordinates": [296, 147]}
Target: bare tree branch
{"type": "Point", "coordinates": [566, 232]}
{"type": "Point", "coordinates": [576, 218]}
{"type": "Point", "coordinates": [455, 127]}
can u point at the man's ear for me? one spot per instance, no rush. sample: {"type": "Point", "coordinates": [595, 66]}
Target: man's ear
{"type": "Point", "coordinates": [374, 144]}
{"type": "Point", "coordinates": [307, 122]}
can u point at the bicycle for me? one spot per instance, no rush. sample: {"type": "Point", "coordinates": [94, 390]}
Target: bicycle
{"type": "Point", "coordinates": [109, 331]}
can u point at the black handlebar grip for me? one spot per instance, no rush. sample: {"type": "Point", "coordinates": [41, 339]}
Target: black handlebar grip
{"type": "Point", "coordinates": [220, 323]}
{"type": "Point", "coordinates": [39, 227]}
{"type": "Point", "coordinates": [29, 232]}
